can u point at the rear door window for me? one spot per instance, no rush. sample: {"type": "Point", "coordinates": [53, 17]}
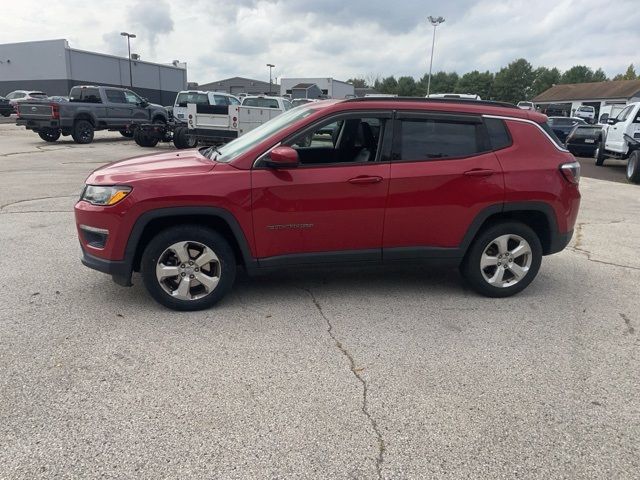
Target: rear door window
{"type": "Point", "coordinates": [438, 138]}
{"type": "Point", "coordinates": [115, 96]}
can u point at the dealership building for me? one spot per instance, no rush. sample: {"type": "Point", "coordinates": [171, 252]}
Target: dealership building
{"type": "Point", "coordinates": [53, 67]}
{"type": "Point", "coordinates": [566, 98]}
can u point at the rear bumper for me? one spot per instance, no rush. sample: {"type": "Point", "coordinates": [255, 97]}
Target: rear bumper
{"type": "Point", "coordinates": [120, 270]}
{"type": "Point", "coordinates": [37, 124]}
{"type": "Point", "coordinates": [559, 241]}
{"type": "Point", "coordinates": [203, 134]}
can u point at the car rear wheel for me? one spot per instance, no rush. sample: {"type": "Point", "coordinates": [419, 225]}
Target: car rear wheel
{"type": "Point", "coordinates": [188, 267]}
{"type": "Point", "coordinates": [82, 132]}
{"type": "Point", "coordinates": [49, 134]}
{"type": "Point", "coordinates": [633, 167]}
{"type": "Point", "coordinates": [503, 259]}
{"type": "Point", "coordinates": [126, 133]}
{"type": "Point", "coordinates": [144, 140]}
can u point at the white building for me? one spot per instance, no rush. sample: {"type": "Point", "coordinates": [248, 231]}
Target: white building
{"type": "Point", "coordinates": [330, 87]}
{"type": "Point", "coordinates": [566, 98]}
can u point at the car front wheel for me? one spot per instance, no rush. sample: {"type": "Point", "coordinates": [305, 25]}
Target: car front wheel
{"type": "Point", "coordinates": [599, 154]}
{"type": "Point", "coordinates": [188, 267]}
{"type": "Point", "coordinates": [503, 260]}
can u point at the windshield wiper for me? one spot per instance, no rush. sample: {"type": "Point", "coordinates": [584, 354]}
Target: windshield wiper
{"type": "Point", "coordinates": [210, 150]}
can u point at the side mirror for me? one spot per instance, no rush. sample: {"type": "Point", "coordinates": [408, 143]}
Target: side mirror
{"type": "Point", "coordinates": [612, 121]}
{"type": "Point", "coordinates": [282, 157]}
{"type": "Point", "coordinates": [144, 102]}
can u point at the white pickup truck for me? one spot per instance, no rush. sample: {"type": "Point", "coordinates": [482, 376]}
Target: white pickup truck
{"type": "Point", "coordinates": [621, 140]}
{"type": "Point", "coordinates": [213, 124]}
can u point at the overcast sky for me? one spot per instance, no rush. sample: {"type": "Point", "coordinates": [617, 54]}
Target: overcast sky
{"type": "Point", "coordinates": [339, 38]}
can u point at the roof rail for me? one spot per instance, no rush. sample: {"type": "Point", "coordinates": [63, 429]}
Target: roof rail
{"type": "Point", "coordinates": [468, 101]}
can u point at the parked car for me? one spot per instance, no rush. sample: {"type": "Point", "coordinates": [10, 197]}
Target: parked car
{"type": "Point", "coordinates": [562, 126]}
{"type": "Point", "coordinates": [89, 108]}
{"type": "Point", "coordinates": [621, 140]}
{"type": "Point", "coordinates": [223, 123]}
{"type": "Point", "coordinates": [526, 105]}
{"type": "Point", "coordinates": [6, 108]}
{"type": "Point", "coordinates": [583, 140]}
{"type": "Point", "coordinates": [586, 113]}
{"type": "Point", "coordinates": [18, 96]}
{"type": "Point", "coordinates": [200, 97]}
{"type": "Point", "coordinates": [481, 185]}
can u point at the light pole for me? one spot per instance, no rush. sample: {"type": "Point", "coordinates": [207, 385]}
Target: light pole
{"type": "Point", "coordinates": [435, 21]}
{"type": "Point", "coordinates": [129, 37]}
{"type": "Point", "coordinates": [270, 65]}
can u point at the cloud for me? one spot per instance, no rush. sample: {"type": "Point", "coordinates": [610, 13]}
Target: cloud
{"type": "Point", "coordinates": [153, 17]}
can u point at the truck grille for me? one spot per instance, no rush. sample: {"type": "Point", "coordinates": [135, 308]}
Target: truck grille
{"type": "Point", "coordinates": [31, 110]}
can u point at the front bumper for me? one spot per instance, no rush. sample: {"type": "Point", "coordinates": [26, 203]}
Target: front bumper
{"type": "Point", "coordinates": [120, 270]}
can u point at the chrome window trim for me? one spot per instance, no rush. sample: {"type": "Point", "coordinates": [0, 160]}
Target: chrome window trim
{"type": "Point", "coordinates": [525, 120]}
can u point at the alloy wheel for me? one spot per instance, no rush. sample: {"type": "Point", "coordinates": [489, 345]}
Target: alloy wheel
{"type": "Point", "coordinates": [188, 270]}
{"type": "Point", "coordinates": [506, 260]}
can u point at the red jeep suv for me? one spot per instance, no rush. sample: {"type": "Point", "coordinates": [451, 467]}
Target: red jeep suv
{"type": "Point", "coordinates": [482, 185]}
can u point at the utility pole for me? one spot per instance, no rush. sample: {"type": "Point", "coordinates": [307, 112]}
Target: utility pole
{"type": "Point", "coordinates": [270, 65]}
{"type": "Point", "coordinates": [435, 21]}
{"type": "Point", "coordinates": [129, 37]}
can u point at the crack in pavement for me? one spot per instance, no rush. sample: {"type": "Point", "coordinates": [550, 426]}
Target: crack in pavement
{"type": "Point", "coordinates": [588, 254]}
{"type": "Point", "coordinates": [2, 207]}
{"type": "Point", "coordinates": [577, 247]}
{"type": "Point", "coordinates": [365, 387]}
{"type": "Point", "coordinates": [627, 322]}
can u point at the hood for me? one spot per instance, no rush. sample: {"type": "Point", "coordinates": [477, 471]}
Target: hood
{"type": "Point", "coordinates": [185, 162]}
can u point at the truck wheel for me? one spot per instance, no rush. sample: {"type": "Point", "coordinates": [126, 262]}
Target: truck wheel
{"type": "Point", "coordinates": [633, 167]}
{"type": "Point", "coordinates": [503, 259]}
{"type": "Point", "coordinates": [49, 134]}
{"type": "Point", "coordinates": [181, 139]}
{"type": "Point", "coordinates": [126, 133]}
{"type": "Point", "coordinates": [144, 140]}
{"type": "Point", "coordinates": [599, 154]}
{"type": "Point", "coordinates": [82, 131]}
{"type": "Point", "coordinates": [188, 267]}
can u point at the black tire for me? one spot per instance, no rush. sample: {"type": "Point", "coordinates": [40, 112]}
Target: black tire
{"type": "Point", "coordinates": [599, 154]}
{"type": "Point", "coordinates": [6, 114]}
{"type": "Point", "coordinates": [126, 133]}
{"type": "Point", "coordinates": [471, 265]}
{"type": "Point", "coordinates": [144, 140]}
{"type": "Point", "coordinates": [181, 139]}
{"type": "Point", "coordinates": [633, 167]}
{"type": "Point", "coordinates": [188, 233]}
{"type": "Point", "coordinates": [49, 134]}
{"type": "Point", "coordinates": [82, 132]}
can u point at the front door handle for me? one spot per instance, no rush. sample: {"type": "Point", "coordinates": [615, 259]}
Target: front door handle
{"type": "Point", "coordinates": [479, 172]}
{"type": "Point", "coordinates": [365, 179]}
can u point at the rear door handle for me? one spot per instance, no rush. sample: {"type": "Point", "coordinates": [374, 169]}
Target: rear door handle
{"type": "Point", "coordinates": [365, 179]}
{"type": "Point", "coordinates": [480, 172]}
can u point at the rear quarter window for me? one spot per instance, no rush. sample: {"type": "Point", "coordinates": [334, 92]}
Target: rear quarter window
{"type": "Point", "coordinates": [498, 132]}
{"type": "Point", "coordinates": [545, 126]}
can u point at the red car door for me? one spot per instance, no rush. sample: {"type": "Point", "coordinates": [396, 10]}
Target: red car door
{"type": "Point", "coordinates": [332, 205]}
{"type": "Point", "coordinates": [443, 173]}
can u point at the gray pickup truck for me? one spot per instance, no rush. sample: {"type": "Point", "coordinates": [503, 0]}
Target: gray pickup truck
{"type": "Point", "coordinates": [89, 108]}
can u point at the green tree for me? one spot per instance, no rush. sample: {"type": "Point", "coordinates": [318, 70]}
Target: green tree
{"type": "Point", "coordinates": [478, 83]}
{"type": "Point", "coordinates": [577, 74]}
{"type": "Point", "coordinates": [441, 82]}
{"type": "Point", "coordinates": [630, 74]}
{"type": "Point", "coordinates": [358, 82]}
{"type": "Point", "coordinates": [513, 82]}
{"type": "Point", "coordinates": [544, 79]}
{"type": "Point", "coordinates": [407, 87]}
{"type": "Point", "coordinates": [387, 85]}
{"type": "Point", "coordinates": [600, 76]}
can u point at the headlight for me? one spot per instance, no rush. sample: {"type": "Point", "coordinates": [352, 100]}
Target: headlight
{"type": "Point", "coordinates": [99, 195]}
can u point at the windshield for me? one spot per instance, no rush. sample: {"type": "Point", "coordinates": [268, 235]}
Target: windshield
{"type": "Point", "coordinates": [240, 145]}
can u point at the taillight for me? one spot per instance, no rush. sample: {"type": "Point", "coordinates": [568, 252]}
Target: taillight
{"type": "Point", "coordinates": [55, 111]}
{"type": "Point", "coordinates": [571, 172]}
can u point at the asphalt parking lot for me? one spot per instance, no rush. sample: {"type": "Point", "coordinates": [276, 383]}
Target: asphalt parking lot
{"type": "Point", "coordinates": [361, 373]}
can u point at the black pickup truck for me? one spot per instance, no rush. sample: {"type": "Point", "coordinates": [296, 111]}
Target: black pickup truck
{"type": "Point", "coordinates": [89, 108]}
